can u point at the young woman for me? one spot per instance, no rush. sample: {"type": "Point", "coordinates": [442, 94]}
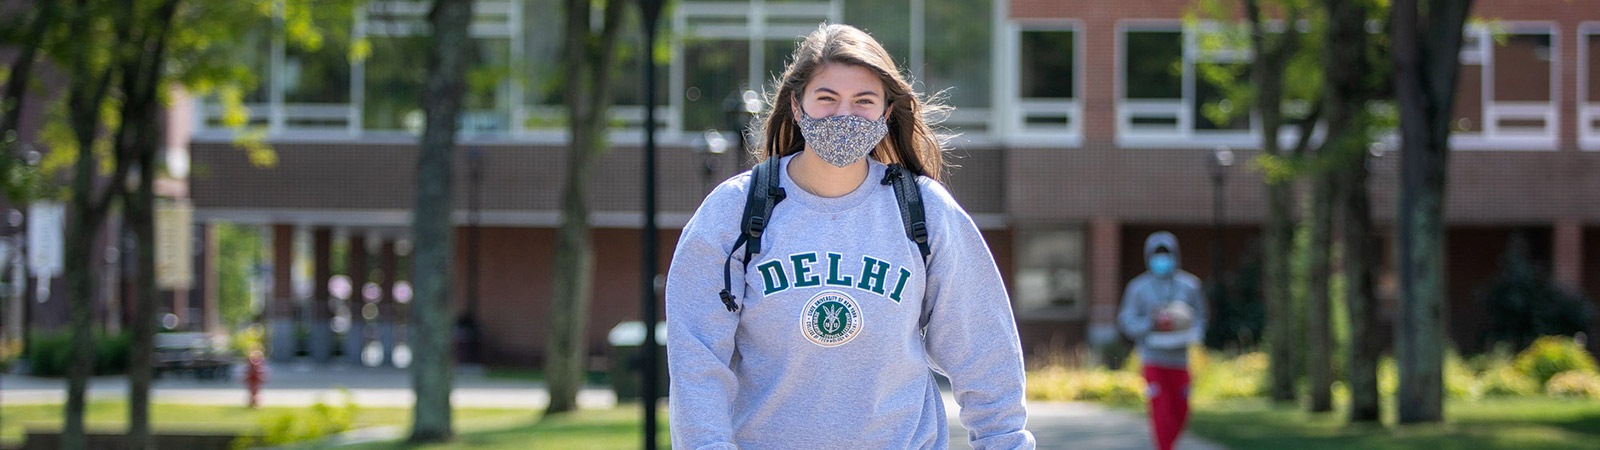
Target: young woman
{"type": "Point", "coordinates": [839, 321]}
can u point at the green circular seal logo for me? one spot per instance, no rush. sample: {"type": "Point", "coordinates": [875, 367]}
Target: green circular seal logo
{"type": "Point", "coordinates": [830, 319]}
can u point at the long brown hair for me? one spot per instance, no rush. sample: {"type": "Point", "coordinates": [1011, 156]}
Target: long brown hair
{"type": "Point", "coordinates": [911, 140]}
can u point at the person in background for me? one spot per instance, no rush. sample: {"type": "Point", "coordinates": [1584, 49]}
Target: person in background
{"type": "Point", "coordinates": [1163, 312]}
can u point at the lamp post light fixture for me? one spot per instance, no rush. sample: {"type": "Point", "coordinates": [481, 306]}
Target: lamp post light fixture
{"type": "Point", "coordinates": [651, 10]}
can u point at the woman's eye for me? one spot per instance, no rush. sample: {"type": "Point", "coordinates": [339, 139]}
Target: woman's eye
{"type": "Point", "coordinates": [824, 99]}
{"type": "Point", "coordinates": [865, 102]}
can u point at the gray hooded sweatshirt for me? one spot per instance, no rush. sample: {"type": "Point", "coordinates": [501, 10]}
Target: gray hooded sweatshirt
{"type": "Point", "coordinates": [1148, 293]}
{"type": "Point", "coordinates": [840, 328]}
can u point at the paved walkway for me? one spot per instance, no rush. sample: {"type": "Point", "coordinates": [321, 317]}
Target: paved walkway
{"type": "Point", "coordinates": [1056, 425]}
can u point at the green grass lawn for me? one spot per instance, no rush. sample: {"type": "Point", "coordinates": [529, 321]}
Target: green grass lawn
{"type": "Point", "coordinates": [1521, 423]}
{"type": "Point", "coordinates": [113, 416]}
{"type": "Point", "coordinates": [589, 430]}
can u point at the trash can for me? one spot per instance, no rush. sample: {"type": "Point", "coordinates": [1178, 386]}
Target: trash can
{"type": "Point", "coordinates": [627, 360]}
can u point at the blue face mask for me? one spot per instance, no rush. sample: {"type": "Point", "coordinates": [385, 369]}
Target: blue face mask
{"type": "Point", "coordinates": [1162, 264]}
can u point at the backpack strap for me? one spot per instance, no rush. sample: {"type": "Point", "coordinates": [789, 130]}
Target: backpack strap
{"type": "Point", "coordinates": [762, 195]}
{"type": "Point", "coordinates": [909, 196]}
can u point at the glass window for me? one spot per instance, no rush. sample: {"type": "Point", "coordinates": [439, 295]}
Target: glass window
{"type": "Point", "coordinates": [484, 105]}
{"type": "Point", "coordinates": [320, 73]}
{"type": "Point", "coordinates": [1468, 115]}
{"type": "Point", "coordinates": [775, 57]}
{"type": "Point", "coordinates": [714, 70]}
{"type": "Point", "coordinates": [1593, 66]}
{"type": "Point", "coordinates": [888, 21]}
{"type": "Point", "coordinates": [956, 41]}
{"type": "Point", "coordinates": [1050, 273]}
{"type": "Point", "coordinates": [1522, 68]}
{"type": "Point", "coordinates": [1212, 108]}
{"type": "Point", "coordinates": [395, 74]}
{"type": "Point", "coordinates": [541, 53]}
{"type": "Point", "coordinates": [1153, 64]}
{"type": "Point", "coordinates": [629, 75]}
{"type": "Point", "coordinates": [255, 54]}
{"type": "Point", "coordinates": [1047, 64]}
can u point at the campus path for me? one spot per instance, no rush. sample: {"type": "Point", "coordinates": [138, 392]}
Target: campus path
{"type": "Point", "coordinates": [1056, 425]}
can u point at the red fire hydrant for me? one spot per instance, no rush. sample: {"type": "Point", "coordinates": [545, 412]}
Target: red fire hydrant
{"type": "Point", "coordinates": [254, 376]}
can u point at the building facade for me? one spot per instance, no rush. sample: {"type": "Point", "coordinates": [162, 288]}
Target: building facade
{"type": "Point", "coordinates": [1083, 127]}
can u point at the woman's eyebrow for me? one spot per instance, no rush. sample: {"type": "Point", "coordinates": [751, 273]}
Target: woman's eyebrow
{"type": "Point", "coordinates": [860, 94]}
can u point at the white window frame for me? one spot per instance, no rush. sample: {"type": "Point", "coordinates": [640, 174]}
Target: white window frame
{"type": "Point", "coordinates": [1490, 135]}
{"type": "Point", "coordinates": [1015, 128]}
{"type": "Point", "coordinates": [755, 30]}
{"type": "Point", "coordinates": [492, 19]}
{"type": "Point", "coordinates": [1588, 112]}
{"type": "Point", "coordinates": [1184, 134]}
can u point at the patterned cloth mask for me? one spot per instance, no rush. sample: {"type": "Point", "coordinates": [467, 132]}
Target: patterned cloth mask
{"type": "Point", "coordinates": [842, 140]}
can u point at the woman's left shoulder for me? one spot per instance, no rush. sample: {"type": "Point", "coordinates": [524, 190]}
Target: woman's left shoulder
{"type": "Point", "coordinates": [938, 204]}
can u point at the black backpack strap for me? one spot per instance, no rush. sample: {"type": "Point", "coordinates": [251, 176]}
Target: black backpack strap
{"type": "Point", "coordinates": [909, 196]}
{"type": "Point", "coordinates": [762, 195]}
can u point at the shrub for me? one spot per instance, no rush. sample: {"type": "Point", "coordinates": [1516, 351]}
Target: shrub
{"type": "Point", "coordinates": [1551, 355]}
{"type": "Point", "coordinates": [1503, 382]}
{"type": "Point", "coordinates": [1525, 304]}
{"type": "Point", "coordinates": [1097, 385]}
{"type": "Point", "coordinates": [1574, 384]}
{"type": "Point", "coordinates": [1243, 376]}
{"type": "Point", "coordinates": [10, 350]}
{"type": "Point", "coordinates": [50, 353]}
{"type": "Point", "coordinates": [1458, 378]}
{"type": "Point", "coordinates": [319, 421]}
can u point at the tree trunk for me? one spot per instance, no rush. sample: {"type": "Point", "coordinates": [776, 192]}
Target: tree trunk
{"type": "Point", "coordinates": [1275, 283]}
{"type": "Point", "coordinates": [140, 215]}
{"type": "Point", "coordinates": [590, 60]}
{"type": "Point", "coordinates": [1266, 71]}
{"type": "Point", "coordinates": [1345, 68]}
{"type": "Point", "coordinates": [140, 138]}
{"type": "Point", "coordinates": [80, 285]}
{"type": "Point", "coordinates": [574, 272]}
{"type": "Point", "coordinates": [431, 373]}
{"type": "Point", "coordinates": [1360, 256]}
{"type": "Point", "coordinates": [87, 93]}
{"type": "Point", "coordinates": [1426, 65]}
{"type": "Point", "coordinates": [1319, 355]}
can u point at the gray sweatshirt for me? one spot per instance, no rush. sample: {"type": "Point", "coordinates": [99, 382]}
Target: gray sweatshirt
{"type": "Point", "coordinates": [1149, 292]}
{"type": "Point", "coordinates": [840, 327]}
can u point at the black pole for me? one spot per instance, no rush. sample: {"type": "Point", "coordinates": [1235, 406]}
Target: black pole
{"type": "Point", "coordinates": [469, 321]}
{"type": "Point", "coordinates": [1218, 177]}
{"type": "Point", "coordinates": [652, 12]}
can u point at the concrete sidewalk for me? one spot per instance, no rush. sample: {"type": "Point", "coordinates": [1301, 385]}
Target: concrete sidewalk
{"type": "Point", "coordinates": [1081, 426]}
{"type": "Point", "coordinates": [304, 385]}
{"type": "Point", "coordinates": [1056, 425]}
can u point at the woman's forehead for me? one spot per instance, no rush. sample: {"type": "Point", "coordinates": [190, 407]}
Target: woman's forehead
{"type": "Point", "coordinates": [845, 79]}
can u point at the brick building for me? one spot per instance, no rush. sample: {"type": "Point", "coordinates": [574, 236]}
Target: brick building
{"type": "Point", "coordinates": [1078, 139]}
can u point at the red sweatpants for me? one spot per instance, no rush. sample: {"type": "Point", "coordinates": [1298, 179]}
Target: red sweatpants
{"type": "Point", "coordinates": [1169, 403]}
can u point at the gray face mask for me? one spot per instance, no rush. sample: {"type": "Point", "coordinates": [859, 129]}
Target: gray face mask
{"type": "Point", "coordinates": [842, 140]}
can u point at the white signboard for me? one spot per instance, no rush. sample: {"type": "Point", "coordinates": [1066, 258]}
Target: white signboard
{"type": "Point", "coordinates": [45, 239]}
{"type": "Point", "coordinates": [174, 245]}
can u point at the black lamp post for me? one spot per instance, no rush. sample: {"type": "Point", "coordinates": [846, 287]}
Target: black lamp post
{"type": "Point", "coordinates": [467, 325]}
{"type": "Point", "coordinates": [1219, 162]}
{"type": "Point", "coordinates": [652, 15]}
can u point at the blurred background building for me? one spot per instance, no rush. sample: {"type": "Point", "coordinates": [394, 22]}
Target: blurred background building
{"type": "Point", "coordinates": [1080, 132]}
